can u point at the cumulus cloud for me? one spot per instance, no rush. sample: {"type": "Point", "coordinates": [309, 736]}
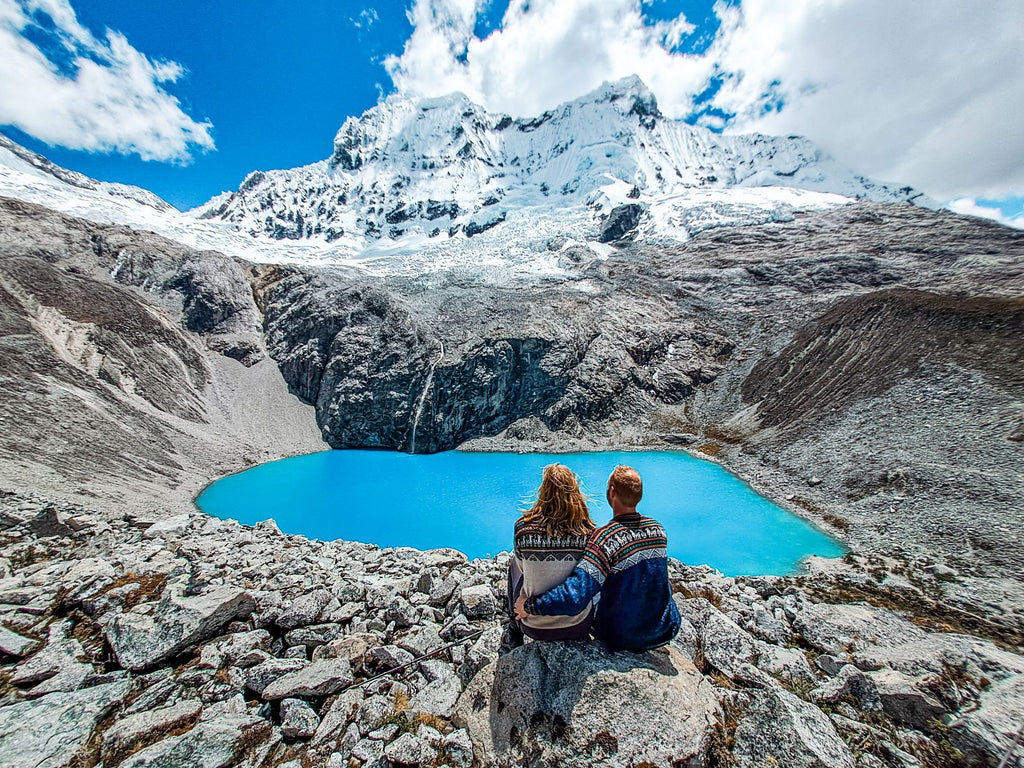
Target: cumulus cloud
{"type": "Point", "coordinates": [970, 207]}
{"type": "Point", "coordinates": [925, 92]}
{"type": "Point", "coordinates": [546, 52]}
{"type": "Point", "coordinates": [930, 92]}
{"type": "Point", "coordinates": [61, 84]}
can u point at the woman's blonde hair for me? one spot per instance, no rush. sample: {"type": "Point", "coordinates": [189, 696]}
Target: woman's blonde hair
{"type": "Point", "coordinates": [561, 506]}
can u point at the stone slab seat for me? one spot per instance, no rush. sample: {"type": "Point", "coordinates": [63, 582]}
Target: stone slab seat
{"type": "Point", "coordinates": [577, 704]}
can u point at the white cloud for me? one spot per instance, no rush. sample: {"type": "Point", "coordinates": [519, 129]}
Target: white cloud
{"type": "Point", "coordinates": [925, 92]}
{"type": "Point", "coordinates": [366, 18]}
{"type": "Point", "coordinates": [970, 207]}
{"type": "Point", "coordinates": [545, 53]}
{"type": "Point", "coordinates": [929, 93]}
{"type": "Point", "coordinates": [108, 98]}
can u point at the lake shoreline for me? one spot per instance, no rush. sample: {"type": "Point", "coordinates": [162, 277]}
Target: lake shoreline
{"type": "Point", "coordinates": [469, 500]}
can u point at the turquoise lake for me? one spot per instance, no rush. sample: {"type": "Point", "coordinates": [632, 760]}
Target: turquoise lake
{"type": "Point", "coordinates": [469, 501]}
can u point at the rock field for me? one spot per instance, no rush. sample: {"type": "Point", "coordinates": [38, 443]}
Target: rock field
{"type": "Point", "coordinates": [860, 366]}
{"type": "Point", "coordinates": [191, 640]}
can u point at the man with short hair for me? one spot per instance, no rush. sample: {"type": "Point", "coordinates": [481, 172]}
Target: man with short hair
{"type": "Point", "coordinates": [627, 562]}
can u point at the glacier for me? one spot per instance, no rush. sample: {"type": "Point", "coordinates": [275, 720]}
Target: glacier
{"type": "Point", "coordinates": [416, 186]}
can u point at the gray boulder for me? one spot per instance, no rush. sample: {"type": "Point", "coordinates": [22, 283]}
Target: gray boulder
{"type": "Point", "coordinates": [298, 719]}
{"type": "Point", "coordinates": [839, 629]}
{"type": "Point", "coordinates": [781, 729]}
{"type": "Point", "coordinates": [71, 677]}
{"type": "Point", "coordinates": [233, 739]}
{"type": "Point", "coordinates": [49, 732]}
{"type": "Point", "coordinates": [478, 602]}
{"type": "Point", "coordinates": [312, 636]}
{"type": "Point", "coordinates": [60, 653]}
{"type": "Point", "coordinates": [13, 644]}
{"type": "Point", "coordinates": [458, 748]}
{"type": "Point", "coordinates": [851, 684]}
{"type": "Point", "coordinates": [390, 656]}
{"type": "Point", "coordinates": [409, 750]}
{"type": "Point", "coordinates": [341, 712]}
{"type": "Point", "coordinates": [351, 647]}
{"type": "Point", "coordinates": [725, 645]}
{"type": "Point", "coordinates": [904, 701]}
{"type": "Point", "coordinates": [175, 624]}
{"type": "Point", "coordinates": [573, 704]}
{"type": "Point", "coordinates": [143, 728]}
{"type": "Point", "coordinates": [306, 609]}
{"type": "Point", "coordinates": [259, 677]}
{"type": "Point", "coordinates": [318, 678]}
{"type": "Point", "coordinates": [786, 664]}
{"type": "Point", "coordinates": [437, 698]}
{"type": "Point", "coordinates": [987, 733]}
{"type": "Point", "coordinates": [400, 612]}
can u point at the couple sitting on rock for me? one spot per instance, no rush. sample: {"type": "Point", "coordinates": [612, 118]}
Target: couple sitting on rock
{"type": "Point", "coordinates": [569, 580]}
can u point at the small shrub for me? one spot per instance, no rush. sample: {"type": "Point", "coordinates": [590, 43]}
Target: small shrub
{"type": "Point", "coordinates": [434, 721]}
{"type": "Point", "coordinates": [690, 592]}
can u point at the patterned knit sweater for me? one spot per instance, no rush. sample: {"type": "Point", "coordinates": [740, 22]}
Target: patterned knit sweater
{"type": "Point", "coordinates": [626, 561]}
{"type": "Point", "coordinates": [545, 562]}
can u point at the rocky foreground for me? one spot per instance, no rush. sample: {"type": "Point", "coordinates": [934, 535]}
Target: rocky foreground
{"type": "Point", "coordinates": [196, 641]}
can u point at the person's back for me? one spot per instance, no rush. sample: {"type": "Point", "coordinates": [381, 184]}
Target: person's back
{"type": "Point", "coordinates": [550, 538]}
{"type": "Point", "coordinates": [545, 561]}
{"type": "Point", "coordinates": [629, 558]}
{"type": "Point", "coordinates": [627, 562]}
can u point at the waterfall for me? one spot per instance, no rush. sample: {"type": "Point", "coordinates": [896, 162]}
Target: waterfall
{"type": "Point", "coordinates": [423, 397]}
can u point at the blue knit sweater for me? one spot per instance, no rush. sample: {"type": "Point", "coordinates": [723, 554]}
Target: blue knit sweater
{"type": "Point", "coordinates": [627, 562]}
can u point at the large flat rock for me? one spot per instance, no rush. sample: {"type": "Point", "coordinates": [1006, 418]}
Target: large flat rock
{"type": "Point", "coordinates": [176, 623]}
{"type": "Point", "coordinates": [575, 704]}
{"type": "Point", "coordinates": [48, 732]}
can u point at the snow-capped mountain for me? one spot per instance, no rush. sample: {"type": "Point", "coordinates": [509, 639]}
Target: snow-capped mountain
{"type": "Point", "coordinates": [15, 157]}
{"type": "Point", "coordinates": [420, 185]}
{"type": "Point", "coordinates": [445, 167]}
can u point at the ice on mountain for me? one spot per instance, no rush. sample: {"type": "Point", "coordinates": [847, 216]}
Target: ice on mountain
{"type": "Point", "coordinates": [420, 185]}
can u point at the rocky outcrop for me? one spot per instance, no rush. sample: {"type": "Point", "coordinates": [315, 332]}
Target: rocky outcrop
{"type": "Point", "coordinates": [782, 729]}
{"type": "Point", "coordinates": [51, 732]}
{"type": "Point", "coordinates": [622, 220]}
{"type": "Point", "coordinates": [570, 704]}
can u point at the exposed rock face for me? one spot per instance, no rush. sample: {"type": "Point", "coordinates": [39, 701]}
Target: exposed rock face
{"type": "Point", "coordinates": [142, 728]}
{"type": "Point", "coordinates": [620, 222]}
{"type": "Point", "coordinates": [139, 640]}
{"type": "Point", "coordinates": [380, 366]}
{"type": "Point", "coordinates": [124, 354]}
{"type": "Point", "coordinates": [571, 704]}
{"type": "Point", "coordinates": [781, 729]}
{"type": "Point", "coordinates": [49, 732]}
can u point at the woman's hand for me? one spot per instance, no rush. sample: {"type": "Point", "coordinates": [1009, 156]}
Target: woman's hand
{"type": "Point", "coordinates": [520, 608]}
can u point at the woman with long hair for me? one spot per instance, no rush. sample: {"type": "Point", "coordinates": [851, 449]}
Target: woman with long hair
{"type": "Point", "coordinates": [550, 537]}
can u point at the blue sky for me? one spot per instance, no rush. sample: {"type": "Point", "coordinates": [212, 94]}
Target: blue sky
{"type": "Point", "coordinates": [927, 92]}
{"type": "Point", "coordinates": [276, 80]}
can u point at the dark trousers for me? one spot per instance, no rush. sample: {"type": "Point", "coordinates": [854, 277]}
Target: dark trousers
{"type": "Point", "coordinates": [579, 631]}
